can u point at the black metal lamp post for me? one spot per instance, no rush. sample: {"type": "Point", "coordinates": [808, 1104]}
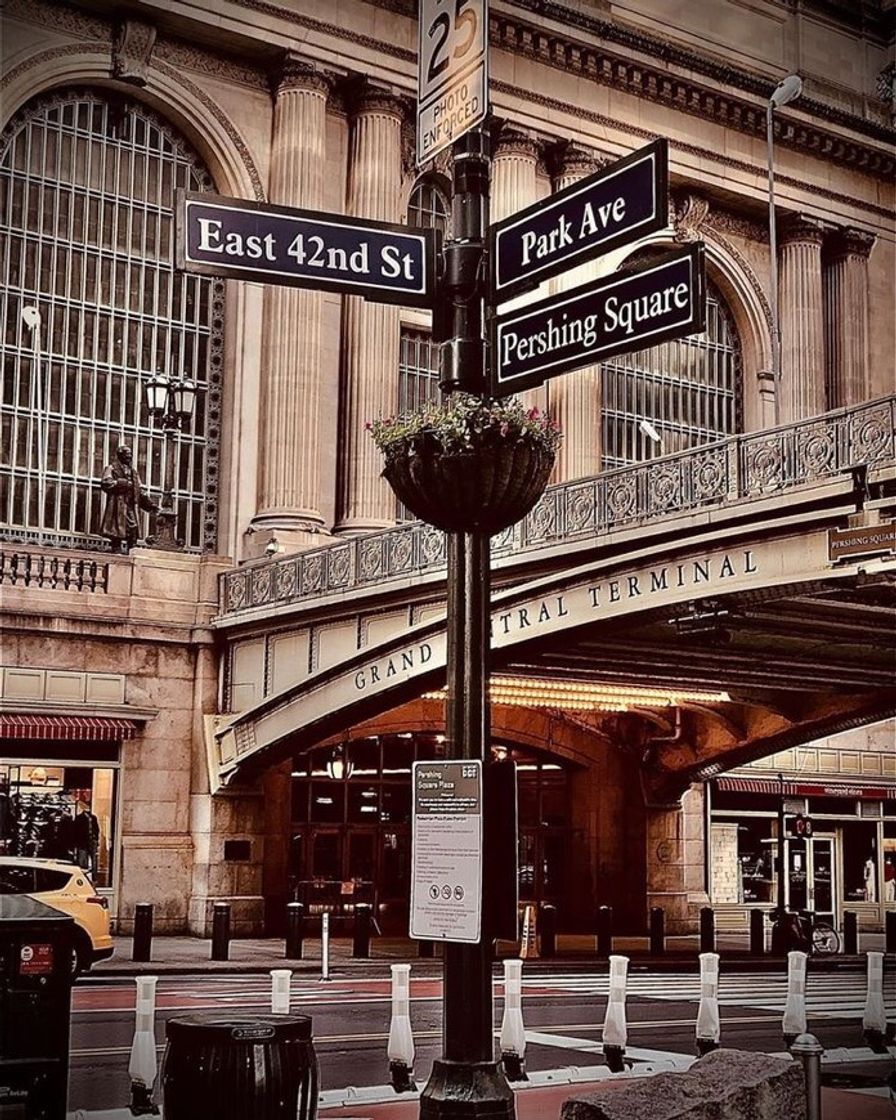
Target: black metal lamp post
{"type": "Point", "coordinates": [170, 401]}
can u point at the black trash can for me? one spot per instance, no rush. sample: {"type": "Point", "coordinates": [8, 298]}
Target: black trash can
{"type": "Point", "coordinates": [219, 1067]}
{"type": "Point", "coordinates": [35, 1008]}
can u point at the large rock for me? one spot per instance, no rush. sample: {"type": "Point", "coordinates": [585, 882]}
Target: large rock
{"type": "Point", "coordinates": [724, 1085]}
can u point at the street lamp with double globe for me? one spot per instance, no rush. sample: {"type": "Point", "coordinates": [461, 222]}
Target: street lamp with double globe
{"type": "Point", "coordinates": [170, 402]}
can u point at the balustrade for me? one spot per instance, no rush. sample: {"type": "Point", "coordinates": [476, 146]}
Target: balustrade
{"type": "Point", "coordinates": [742, 468]}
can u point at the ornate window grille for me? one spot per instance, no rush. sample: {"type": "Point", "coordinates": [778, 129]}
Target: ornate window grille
{"type": "Point", "coordinates": [418, 379]}
{"type": "Point", "coordinates": [428, 207]}
{"type": "Point", "coordinates": [686, 391]}
{"type": "Point", "coordinates": [87, 187]}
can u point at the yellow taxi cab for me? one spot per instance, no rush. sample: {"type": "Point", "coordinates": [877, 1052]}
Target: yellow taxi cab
{"type": "Point", "coordinates": [67, 887]}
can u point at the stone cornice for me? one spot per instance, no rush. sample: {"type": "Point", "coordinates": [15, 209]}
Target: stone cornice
{"type": "Point", "coordinates": [655, 83]}
{"type": "Point", "coordinates": [647, 79]}
{"type": "Point", "coordinates": [631, 39]}
{"type": "Point", "coordinates": [641, 135]}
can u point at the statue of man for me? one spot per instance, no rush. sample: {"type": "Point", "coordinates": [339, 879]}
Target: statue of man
{"type": "Point", "coordinates": [124, 496]}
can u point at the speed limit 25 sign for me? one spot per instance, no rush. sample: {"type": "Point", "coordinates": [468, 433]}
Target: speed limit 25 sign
{"type": "Point", "coordinates": [452, 83]}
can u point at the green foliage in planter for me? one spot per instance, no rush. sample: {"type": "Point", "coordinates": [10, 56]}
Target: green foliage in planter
{"type": "Point", "coordinates": [463, 422]}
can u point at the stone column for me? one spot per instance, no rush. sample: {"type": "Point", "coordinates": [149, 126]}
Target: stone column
{"type": "Point", "coordinates": [802, 323]}
{"type": "Point", "coordinates": [845, 281]}
{"type": "Point", "coordinates": [289, 481]}
{"type": "Point", "coordinates": [675, 861]}
{"type": "Point", "coordinates": [514, 162]}
{"type": "Point", "coordinates": [370, 331]}
{"type": "Point", "coordinates": [574, 400]}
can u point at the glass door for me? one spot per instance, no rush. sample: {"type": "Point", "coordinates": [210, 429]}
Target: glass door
{"type": "Point", "coordinates": [821, 890]}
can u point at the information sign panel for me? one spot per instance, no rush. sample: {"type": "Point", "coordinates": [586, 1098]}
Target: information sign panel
{"type": "Point", "coordinates": [612, 207]}
{"type": "Point", "coordinates": [452, 79]}
{"type": "Point", "coordinates": [616, 314]}
{"type": "Point", "coordinates": [446, 851]}
{"type": "Point", "coordinates": [231, 237]}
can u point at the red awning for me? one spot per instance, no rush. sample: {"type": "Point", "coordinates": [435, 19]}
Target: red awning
{"type": "Point", "coordinates": [82, 728]}
{"type": "Point", "coordinates": [820, 788]}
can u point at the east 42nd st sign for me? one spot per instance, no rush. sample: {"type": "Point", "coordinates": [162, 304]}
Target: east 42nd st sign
{"type": "Point", "coordinates": [304, 248]}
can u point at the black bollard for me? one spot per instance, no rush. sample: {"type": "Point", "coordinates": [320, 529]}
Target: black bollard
{"type": "Point", "coordinates": [221, 931]}
{"type": "Point", "coordinates": [757, 932]}
{"type": "Point", "coordinates": [707, 930]}
{"type": "Point", "coordinates": [142, 950]}
{"type": "Point", "coordinates": [547, 925]}
{"type": "Point", "coordinates": [657, 931]}
{"type": "Point", "coordinates": [850, 932]}
{"type": "Point", "coordinates": [604, 931]}
{"type": "Point", "coordinates": [426, 949]}
{"type": "Point", "coordinates": [295, 931]}
{"type": "Point", "coordinates": [361, 942]}
{"type": "Point", "coordinates": [890, 941]}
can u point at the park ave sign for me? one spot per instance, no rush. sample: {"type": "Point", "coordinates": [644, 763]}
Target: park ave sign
{"type": "Point", "coordinates": [615, 205]}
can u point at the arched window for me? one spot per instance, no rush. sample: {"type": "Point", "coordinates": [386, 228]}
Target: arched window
{"type": "Point", "coordinates": [428, 207]}
{"type": "Point", "coordinates": [87, 186]}
{"type": "Point", "coordinates": [673, 396]}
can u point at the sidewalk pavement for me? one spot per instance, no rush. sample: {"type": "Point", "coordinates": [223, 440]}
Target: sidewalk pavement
{"type": "Point", "coordinates": [178, 955]}
{"type": "Point", "coordinates": [544, 1103]}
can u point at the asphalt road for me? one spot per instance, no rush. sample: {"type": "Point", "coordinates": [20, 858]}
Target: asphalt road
{"type": "Point", "coordinates": [563, 1012]}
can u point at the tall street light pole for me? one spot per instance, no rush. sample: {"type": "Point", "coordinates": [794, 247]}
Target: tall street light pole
{"type": "Point", "coordinates": [787, 90]}
{"type": "Point", "coordinates": [170, 402]}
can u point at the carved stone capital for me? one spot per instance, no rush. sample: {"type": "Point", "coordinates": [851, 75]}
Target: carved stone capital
{"type": "Point", "coordinates": [297, 73]}
{"type": "Point", "coordinates": [849, 242]}
{"type": "Point", "coordinates": [801, 229]}
{"type": "Point", "coordinates": [132, 45]}
{"type": "Point", "coordinates": [363, 97]}
{"type": "Point", "coordinates": [511, 141]}
{"type": "Point", "coordinates": [689, 212]}
{"type": "Point", "coordinates": [569, 160]}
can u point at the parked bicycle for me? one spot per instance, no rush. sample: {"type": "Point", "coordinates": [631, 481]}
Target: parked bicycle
{"type": "Point", "coordinates": [803, 931]}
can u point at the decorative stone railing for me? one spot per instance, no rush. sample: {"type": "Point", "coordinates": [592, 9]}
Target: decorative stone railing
{"type": "Point", "coordinates": [54, 573]}
{"type": "Point", "coordinates": [739, 469]}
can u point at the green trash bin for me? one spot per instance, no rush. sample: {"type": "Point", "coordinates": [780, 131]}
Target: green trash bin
{"type": "Point", "coordinates": [35, 1008]}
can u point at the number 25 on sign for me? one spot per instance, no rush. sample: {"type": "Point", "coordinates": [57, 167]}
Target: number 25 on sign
{"type": "Point", "coordinates": [452, 82]}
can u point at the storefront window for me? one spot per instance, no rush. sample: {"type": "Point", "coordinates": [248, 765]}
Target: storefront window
{"type": "Point", "coordinates": [743, 855]}
{"type": "Point", "coordinates": [60, 812]}
{"type": "Point", "coordinates": [860, 861]}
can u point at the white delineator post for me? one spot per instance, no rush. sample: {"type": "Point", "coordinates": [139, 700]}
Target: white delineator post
{"type": "Point", "coordinates": [795, 1009]}
{"type": "Point", "coordinates": [615, 1032]}
{"type": "Point", "coordinates": [513, 1033]}
{"type": "Point", "coordinates": [281, 978]}
{"type": "Point", "coordinates": [400, 1049]}
{"type": "Point", "coordinates": [143, 1064]}
{"type": "Point", "coordinates": [709, 1027]}
{"type": "Point", "coordinates": [874, 1019]}
{"type": "Point", "coordinates": [325, 947]}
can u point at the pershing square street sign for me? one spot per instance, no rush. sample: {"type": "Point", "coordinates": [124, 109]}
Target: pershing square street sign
{"type": "Point", "coordinates": [446, 851]}
{"type": "Point", "coordinates": [614, 206]}
{"type": "Point", "coordinates": [304, 248]}
{"type": "Point", "coordinates": [616, 314]}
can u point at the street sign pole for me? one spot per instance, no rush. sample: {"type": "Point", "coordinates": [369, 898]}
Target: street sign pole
{"type": "Point", "coordinates": [467, 1081]}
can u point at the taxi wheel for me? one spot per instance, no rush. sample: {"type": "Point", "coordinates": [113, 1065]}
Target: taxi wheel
{"type": "Point", "coordinates": [81, 953]}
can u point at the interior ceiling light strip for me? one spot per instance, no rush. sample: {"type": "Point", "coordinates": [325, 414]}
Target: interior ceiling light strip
{"type": "Point", "coordinates": [583, 695]}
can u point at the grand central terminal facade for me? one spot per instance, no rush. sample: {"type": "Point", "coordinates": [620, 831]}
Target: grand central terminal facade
{"type": "Point", "coordinates": [677, 640]}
